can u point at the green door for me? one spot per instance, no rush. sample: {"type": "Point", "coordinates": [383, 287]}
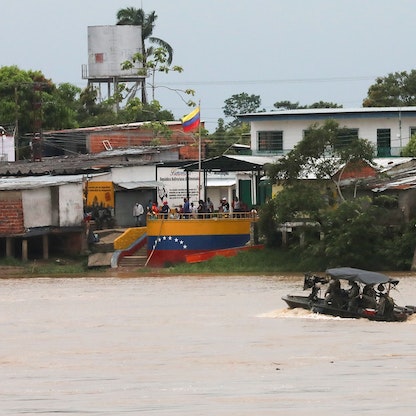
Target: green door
{"type": "Point", "coordinates": [244, 187]}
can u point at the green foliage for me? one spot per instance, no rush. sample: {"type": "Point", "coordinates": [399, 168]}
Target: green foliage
{"type": "Point", "coordinates": [157, 61]}
{"type": "Point", "coordinates": [395, 90]}
{"type": "Point", "coordinates": [320, 154]}
{"type": "Point", "coordinates": [138, 17]}
{"type": "Point", "coordinates": [288, 105]}
{"type": "Point", "coordinates": [400, 249]}
{"type": "Point", "coordinates": [240, 104]}
{"type": "Point", "coordinates": [223, 138]}
{"type": "Point", "coordinates": [351, 233]}
{"type": "Point", "coordinates": [268, 223]}
{"type": "Point", "coordinates": [299, 201]}
{"type": "Point", "coordinates": [410, 149]}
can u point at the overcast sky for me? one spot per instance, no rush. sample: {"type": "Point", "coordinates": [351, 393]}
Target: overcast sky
{"type": "Point", "coordinates": [298, 50]}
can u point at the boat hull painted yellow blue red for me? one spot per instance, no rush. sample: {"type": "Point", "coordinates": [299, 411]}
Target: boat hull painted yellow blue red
{"type": "Point", "coordinates": [169, 241]}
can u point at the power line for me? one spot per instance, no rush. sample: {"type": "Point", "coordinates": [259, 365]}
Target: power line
{"type": "Point", "coordinates": [279, 81]}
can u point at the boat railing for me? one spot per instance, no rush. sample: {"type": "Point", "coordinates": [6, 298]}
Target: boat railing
{"type": "Point", "coordinates": [173, 215]}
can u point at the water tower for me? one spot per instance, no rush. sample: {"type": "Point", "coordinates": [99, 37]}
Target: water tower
{"type": "Point", "coordinates": [108, 48]}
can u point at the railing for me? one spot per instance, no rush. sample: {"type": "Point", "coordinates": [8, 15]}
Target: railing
{"type": "Point", "coordinates": [204, 216]}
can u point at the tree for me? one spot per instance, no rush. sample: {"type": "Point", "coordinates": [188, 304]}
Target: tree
{"type": "Point", "coordinates": [158, 62]}
{"type": "Point", "coordinates": [222, 140]}
{"type": "Point", "coordinates": [240, 104]}
{"type": "Point", "coordinates": [137, 17]}
{"type": "Point", "coordinates": [410, 149]}
{"type": "Point", "coordinates": [29, 103]}
{"type": "Point", "coordinates": [395, 90]}
{"type": "Point", "coordinates": [288, 105]}
{"type": "Point", "coordinates": [353, 235]}
{"type": "Point", "coordinates": [321, 153]}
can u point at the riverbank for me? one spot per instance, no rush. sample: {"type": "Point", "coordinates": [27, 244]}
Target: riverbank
{"type": "Point", "coordinates": [264, 261]}
{"type": "Point", "coordinates": [257, 262]}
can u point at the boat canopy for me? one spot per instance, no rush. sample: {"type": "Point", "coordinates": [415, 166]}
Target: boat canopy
{"type": "Point", "coordinates": [358, 275]}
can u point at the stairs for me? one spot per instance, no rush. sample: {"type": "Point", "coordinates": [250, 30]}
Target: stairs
{"type": "Point", "coordinates": [102, 251]}
{"type": "Point", "coordinates": [137, 260]}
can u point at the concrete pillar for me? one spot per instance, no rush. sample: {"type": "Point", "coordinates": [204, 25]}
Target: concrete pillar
{"type": "Point", "coordinates": [45, 243]}
{"type": "Point", "coordinates": [24, 250]}
{"type": "Point", "coordinates": [9, 247]}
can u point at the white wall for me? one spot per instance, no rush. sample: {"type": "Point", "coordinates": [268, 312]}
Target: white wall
{"type": "Point", "coordinates": [71, 211]}
{"type": "Point", "coordinates": [37, 207]}
{"type": "Point", "coordinates": [53, 206]}
{"type": "Point", "coordinates": [367, 129]}
{"type": "Point", "coordinates": [7, 150]}
{"type": "Point", "coordinates": [174, 181]}
{"type": "Point", "coordinates": [133, 174]}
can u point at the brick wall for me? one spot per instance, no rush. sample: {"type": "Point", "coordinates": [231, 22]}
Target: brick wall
{"type": "Point", "coordinates": [143, 137]}
{"type": "Point", "coordinates": [11, 213]}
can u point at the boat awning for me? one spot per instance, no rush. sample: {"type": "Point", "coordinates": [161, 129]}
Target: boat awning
{"type": "Point", "coordinates": [358, 275]}
{"type": "Point", "coordinates": [139, 184]}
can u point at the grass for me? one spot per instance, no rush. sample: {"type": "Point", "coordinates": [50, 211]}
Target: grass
{"type": "Point", "coordinates": [50, 267]}
{"type": "Point", "coordinates": [262, 261]}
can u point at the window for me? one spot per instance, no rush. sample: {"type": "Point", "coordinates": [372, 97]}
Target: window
{"type": "Point", "coordinates": [270, 141]}
{"type": "Point", "coordinates": [383, 142]}
{"type": "Point", "coordinates": [345, 137]}
{"type": "Point", "coordinates": [412, 131]}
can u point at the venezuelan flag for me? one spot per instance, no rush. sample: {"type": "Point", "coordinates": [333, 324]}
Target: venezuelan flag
{"type": "Point", "coordinates": [191, 121]}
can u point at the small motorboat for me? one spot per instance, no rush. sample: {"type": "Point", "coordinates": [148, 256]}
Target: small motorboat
{"type": "Point", "coordinates": [367, 297]}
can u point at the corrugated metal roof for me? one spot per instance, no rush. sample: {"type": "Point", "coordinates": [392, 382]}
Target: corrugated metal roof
{"type": "Point", "coordinates": [33, 182]}
{"type": "Point", "coordinates": [338, 112]}
{"type": "Point", "coordinates": [85, 163]}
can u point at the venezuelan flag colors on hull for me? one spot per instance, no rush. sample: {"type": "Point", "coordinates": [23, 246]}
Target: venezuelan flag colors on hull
{"type": "Point", "coordinates": [171, 240]}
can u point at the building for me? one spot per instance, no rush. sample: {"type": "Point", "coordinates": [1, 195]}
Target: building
{"type": "Point", "coordinates": [99, 139]}
{"type": "Point", "coordinates": [41, 212]}
{"type": "Point", "coordinates": [388, 128]}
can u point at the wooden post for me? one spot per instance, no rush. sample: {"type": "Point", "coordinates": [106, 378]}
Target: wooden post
{"type": "Point", "coordinates": [45, 243]}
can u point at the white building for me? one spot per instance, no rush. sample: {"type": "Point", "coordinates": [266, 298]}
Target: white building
{"type": "Point", "coordinates": [388, 128]}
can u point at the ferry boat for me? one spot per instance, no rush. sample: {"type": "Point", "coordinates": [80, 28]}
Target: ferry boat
{"type": "Point", "coordinates": [173, 240]}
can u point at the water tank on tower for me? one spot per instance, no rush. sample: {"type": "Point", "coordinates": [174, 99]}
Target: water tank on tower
{"type": "Point", "coordinates": [108, 48]}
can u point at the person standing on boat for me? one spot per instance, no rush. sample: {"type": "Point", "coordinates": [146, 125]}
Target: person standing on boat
{"type": "Point", "coordinates": [138, 212]}
{"type": "Point", "coordinates": [201, 208]}
{"type": "Point", "coordinates": [155, 209]}
{"type": "Point", "coordinates": [224, 205]}
{"type": "Point", "coordinates": [353, 296]}
{"type": "Point", "coordinates": [334, 294]}
{"type": "Point", "coordinates": [186, 208]}
{"type": "Point", "coordinates": [385, 305]}
{"type": "Point", "coordinates": [165, 209]}
{"type": "Point", "coordinates": [368, 299]}
{"type": "Point", "coordinates": [210, 205]}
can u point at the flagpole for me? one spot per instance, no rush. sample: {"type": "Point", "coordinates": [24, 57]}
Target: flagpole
{"type": "Point", "coordinates": [199, 154]}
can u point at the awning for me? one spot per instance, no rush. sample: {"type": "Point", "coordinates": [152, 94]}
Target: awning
{"type": "Point", "coordinates": [226, 164]}
{"type": "Point", "coordinates": [216, 182]}
{"type": "Point", "coordinates": [139, 184]}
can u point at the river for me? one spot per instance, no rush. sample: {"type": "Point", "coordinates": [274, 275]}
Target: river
{"type": "Point", "coordinates": [195, 346]}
